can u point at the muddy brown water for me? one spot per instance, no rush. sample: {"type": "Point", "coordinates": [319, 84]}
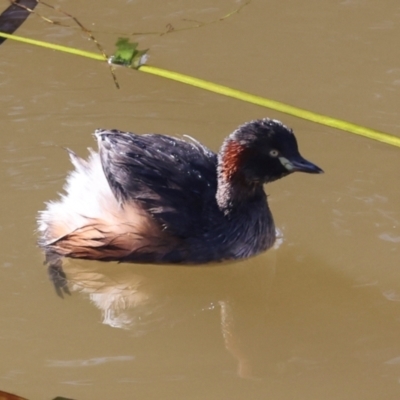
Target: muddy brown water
{"type": "Point", "coordinates": [319, 317]}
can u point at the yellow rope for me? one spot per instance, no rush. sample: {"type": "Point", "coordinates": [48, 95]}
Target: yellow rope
{"type": "Point", "coordinates": [57, 47]}
{"type": "Point", "coordinates": [237, 94]}
{"type": "Point", "coordinates": [275, 105]}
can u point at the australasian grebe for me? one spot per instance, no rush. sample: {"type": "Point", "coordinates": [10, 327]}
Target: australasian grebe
{"type": "Point", "coordinates": [159, 199]}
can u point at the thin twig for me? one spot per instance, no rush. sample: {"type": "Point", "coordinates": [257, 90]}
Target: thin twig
{"type": "Point", "coordinates": [36, 13]}
{"type": "Point", "coordinates": [77, 22]}
{"type": "Point", "coordinates": [88, 33]}
{"type": "Point", "coordinates": [170, 28]}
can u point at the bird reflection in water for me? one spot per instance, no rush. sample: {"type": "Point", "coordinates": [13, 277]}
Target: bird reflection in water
{"type": "Point", "coordinates": [147, 298]}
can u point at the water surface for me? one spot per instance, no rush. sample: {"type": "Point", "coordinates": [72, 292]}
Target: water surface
{"type": "Point", "coordinates": [319, 317]}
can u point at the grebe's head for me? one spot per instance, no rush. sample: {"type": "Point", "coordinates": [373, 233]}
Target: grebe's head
{"type": "Point", "coordinates": [261, 151]}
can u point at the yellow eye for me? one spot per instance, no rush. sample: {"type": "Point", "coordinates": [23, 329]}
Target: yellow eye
{"type": "Point", "coordinates": [274, 153]}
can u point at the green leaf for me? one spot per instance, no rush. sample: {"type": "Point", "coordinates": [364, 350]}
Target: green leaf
{"type": "Point", "coordinates": [127, 54]}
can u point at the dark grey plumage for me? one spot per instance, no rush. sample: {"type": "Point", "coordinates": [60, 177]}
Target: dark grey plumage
{"type": "Point", "coordinates": [173, 179]}
{"type": "Point", "coordinates": [159, 199]}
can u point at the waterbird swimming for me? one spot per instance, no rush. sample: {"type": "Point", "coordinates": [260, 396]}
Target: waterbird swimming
{"type": "Point", "coordinates": [159, 199]}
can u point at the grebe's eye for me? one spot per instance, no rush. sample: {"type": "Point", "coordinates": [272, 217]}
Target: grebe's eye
{"type": "Point", "coordinates": [274, 153]}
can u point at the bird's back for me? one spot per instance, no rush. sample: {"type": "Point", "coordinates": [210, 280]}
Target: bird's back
{"type": "Point", "coordinates": [172, 179]}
